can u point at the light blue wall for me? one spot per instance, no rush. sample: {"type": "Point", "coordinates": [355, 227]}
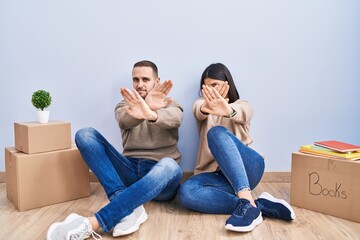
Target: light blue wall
{"type": "Point", "coordinates": [297, 62]}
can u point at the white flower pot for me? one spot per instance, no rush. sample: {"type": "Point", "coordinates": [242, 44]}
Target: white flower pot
{"type": "Point", "coordinates": [43, 116]}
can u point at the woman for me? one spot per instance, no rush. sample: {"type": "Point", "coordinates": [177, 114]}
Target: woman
{"type": "Point", "coordinates": [227, 169]}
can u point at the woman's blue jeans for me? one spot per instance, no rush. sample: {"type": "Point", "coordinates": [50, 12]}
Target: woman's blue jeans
{"type": "Point", "coordinates": [128, 182]}
{"type": "Point", "coordinates": [240, 168]}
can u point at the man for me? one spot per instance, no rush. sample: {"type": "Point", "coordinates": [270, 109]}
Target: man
{"type": "Point", "coordinates": [146, 170]}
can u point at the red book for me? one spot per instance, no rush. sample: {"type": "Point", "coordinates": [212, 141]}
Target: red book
{"type": "Point", "coordinates": [338, 146]}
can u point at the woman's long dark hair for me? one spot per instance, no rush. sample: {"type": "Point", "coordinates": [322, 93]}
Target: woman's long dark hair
{"type": "Point", "coordinates": [219, 71]}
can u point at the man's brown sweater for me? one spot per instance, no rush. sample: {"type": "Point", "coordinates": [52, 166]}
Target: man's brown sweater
{"type": "Point", "coordinates": [150, 140]}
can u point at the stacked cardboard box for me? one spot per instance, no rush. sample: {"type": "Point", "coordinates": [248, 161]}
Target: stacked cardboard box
{"type": "Point", "coordinates": [44, 167]}
{"type": "Point", "coordinates": [326, 185]}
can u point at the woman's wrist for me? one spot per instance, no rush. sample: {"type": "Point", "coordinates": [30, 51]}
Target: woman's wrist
{"type": "Point", "coordinates": [205, 113]}
{"type": "Point", "coordinates": [232, 113]}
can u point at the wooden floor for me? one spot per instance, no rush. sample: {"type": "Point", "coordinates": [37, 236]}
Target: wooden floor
{"type": "Point", "coordinates": [171, 221]}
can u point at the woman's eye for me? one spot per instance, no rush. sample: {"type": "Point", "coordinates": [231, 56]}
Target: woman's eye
{"type": "Point", "coordinates": [214, 85]}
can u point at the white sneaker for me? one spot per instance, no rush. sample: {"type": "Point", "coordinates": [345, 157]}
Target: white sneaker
{"type": "Point", "coordinates": [131, 222]}
{"type": "Point", "coordinates": [74, 227]}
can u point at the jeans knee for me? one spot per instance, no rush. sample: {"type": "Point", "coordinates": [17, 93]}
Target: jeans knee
{"type": "Point", "coordinates": [215, 131]}
{"type": "Point", "coordinates": [84, 134]}
{"type": "Point", "coordinates": [171, 166]}
{"type": "Point", "coordinates": [186, 194]}
{"type": "Point", "coordinates": [189, 187]}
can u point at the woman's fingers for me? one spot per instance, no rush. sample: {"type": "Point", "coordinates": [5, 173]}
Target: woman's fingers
{"type": "Point", "coordinates": [224, 89]}
{"type": "Point", "coordinates": [205, 95]}
{"type": "Point", "coordinates": [211, 91]}
{"type": "Point", "coordinates": [215, 93]}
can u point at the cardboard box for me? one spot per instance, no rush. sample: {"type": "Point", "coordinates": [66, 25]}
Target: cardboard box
{"type": "Point", "coordinates": [34, 137]}
{"type": "Point", "coordinates": [326, 185]}
{"type": "Point", "coordinates": [43, 179]}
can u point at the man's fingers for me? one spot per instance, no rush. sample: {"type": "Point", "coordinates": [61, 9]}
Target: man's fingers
{"type": "Point", "coordinates": [122, 91]}
{"type": "Point", "coordinates": [164, 88]}
{"type": "Point", "coordinates": [161, 86]}
{"type": "Point", "coordinates": [167, 87]}
{"type": "Point", "coordinates": [126, 94]}
{"type": "Point", "coordinates": [157, 86]}
{"type": "Point", "coordinates": [136, 94]}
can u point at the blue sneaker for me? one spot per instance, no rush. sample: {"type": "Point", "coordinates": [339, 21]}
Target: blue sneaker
{"type": "Point", "coordinates": [275, 208]}
{"type": "Point", "coordinates": [245, 217]}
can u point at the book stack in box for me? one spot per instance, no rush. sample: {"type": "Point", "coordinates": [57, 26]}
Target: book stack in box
{"type": "Point", "coordinates": [333, 149]}
{"type": "Point", "coordinates": [44, 167]}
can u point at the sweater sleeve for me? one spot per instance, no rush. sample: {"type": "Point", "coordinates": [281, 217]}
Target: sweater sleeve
{"type": "Point", "coordinates": [200, 116]}
{"type": "Point", "coordinates": [169, 117]}
{"type": "Point", "coordinates": [124, 120]}
{"type": "Point", "coordinates": [244, 111]}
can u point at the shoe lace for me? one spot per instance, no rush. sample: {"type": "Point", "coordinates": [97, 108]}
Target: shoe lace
{"type": "Point", "coordinates": [241, 208]}
{"type": "Point", "coordinates": [95, 235]}
{"type": "Point", "coordinates": [85, 232]}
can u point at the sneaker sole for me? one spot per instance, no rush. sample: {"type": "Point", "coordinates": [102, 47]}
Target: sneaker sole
{"type": "Point", "coordinates": [54, 225]}
{"type": "Point", "coordinates": [269, 197]}
{"type": "Point", "coordinates": [51, 229]}
{"type": "Point", "coordinates": [249, 228]}
{"type": "Point", "coordinates": [136, 227]}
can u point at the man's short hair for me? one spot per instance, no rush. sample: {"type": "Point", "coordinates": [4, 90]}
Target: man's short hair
{"type": "Point", "coordinates": [146, 63]}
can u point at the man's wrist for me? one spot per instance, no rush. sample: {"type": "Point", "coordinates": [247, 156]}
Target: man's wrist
{"type": "Point", "coordinates": [152, 116]}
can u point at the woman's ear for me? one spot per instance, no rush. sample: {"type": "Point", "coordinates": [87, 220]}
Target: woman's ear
{"type": "Point", "coordinates": [157, 80]}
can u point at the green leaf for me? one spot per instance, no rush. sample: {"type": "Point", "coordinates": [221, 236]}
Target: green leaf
{"type": "Point", "coordinates": [41, 99]}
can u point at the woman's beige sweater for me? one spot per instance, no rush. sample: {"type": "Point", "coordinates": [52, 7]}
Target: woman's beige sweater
{"type": "Point", "coordinates": [239, 125]}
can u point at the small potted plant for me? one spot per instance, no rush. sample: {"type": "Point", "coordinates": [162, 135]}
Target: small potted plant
{"type": "Point", "coordinates": [41, 99]}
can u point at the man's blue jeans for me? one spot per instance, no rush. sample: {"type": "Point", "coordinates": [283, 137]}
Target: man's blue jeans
{"type": "Point", "coordinates": [128, 182]}
{"type": "Point", "coordinates": [240, 168]}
